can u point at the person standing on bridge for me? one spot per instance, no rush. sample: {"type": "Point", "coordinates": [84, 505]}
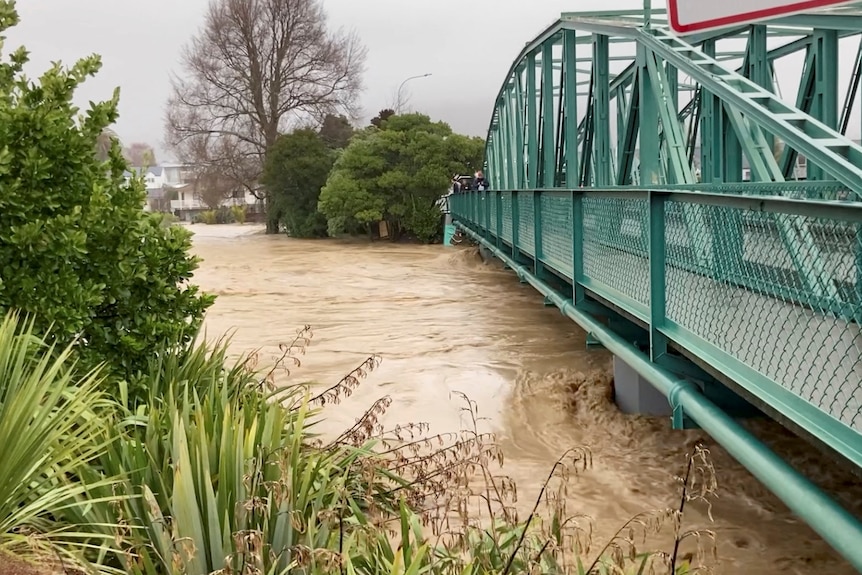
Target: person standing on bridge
{"type": "Point", "coordinates": [480, 183]}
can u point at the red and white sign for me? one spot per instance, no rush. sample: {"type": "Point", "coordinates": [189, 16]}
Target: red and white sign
{"type": "Point", "coordinates": [688, 16]}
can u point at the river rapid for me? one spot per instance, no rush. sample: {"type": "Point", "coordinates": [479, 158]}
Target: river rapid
{"type": "Point", "coordinates": [444, 321]}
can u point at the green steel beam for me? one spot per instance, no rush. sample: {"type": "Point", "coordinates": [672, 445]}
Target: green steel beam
{"type": "Point", "coordinates": [849, 21]}
{"type": "Point", "coordinates": [602, 112]}
{"type": "Point", "coordinates": [570, 100]}
{"type": "Point", "coordinates": [648, 119]}
{"type": "Point", "coordinates": [548, 121]}
{"type": "Point", "coordinates": [825, 105]}
{"type": "Point", "coordinates": [837, 154]}
{"type": "Point", "coordinates": [532, 124]}
{"type": "Point", "coordinates": [852, 90]}
{"type": "Point", "coordinates": [520, 128]}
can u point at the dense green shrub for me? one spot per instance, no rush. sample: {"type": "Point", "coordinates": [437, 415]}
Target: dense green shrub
{"type": "Point", "coordinates": [76, 247]}
{"type": "Point", "coordinates": [295, 171]}
{"type": "Point", "coordinates": [397, 173]}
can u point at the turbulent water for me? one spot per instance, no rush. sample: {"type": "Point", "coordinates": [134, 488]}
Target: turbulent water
{"type": "Point", "coordinates": [443, 321]}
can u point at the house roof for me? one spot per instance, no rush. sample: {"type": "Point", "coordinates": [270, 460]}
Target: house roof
{"type": "Point", "coordinates": [154, 170]}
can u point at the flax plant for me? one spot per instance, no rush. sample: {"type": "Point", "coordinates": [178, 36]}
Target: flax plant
{"type": "Point", "coordinates": [51, 430]}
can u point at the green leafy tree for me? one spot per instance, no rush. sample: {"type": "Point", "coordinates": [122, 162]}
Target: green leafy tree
{"type": "Point", "coordinates": [381, 117]}
{"type": "Point", "coordinates": [296, 169]}
{"type": "Point", "coordinates": [397, 173]}
{"type": "Point", "coordinates": [76, 247]}
{"type": "Point", "coordinates": [336, 131]}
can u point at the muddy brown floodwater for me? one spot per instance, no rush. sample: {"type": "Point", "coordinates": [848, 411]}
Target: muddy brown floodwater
{"type": "Point", "coordinates": [444, 321]}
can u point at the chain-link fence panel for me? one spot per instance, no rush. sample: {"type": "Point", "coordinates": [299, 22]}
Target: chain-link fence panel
{"type": "Point", "coordinates": [526, 223]}
{"type": "Point", "coordinates": [556, 232]}
{"type": "Point", "coordinates": [616, 245]}
{"type": "Point", "coordinates": [782, 297]}
{"type": "Point", "coordinates": [506, 207]}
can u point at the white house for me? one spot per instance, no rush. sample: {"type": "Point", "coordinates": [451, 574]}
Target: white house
{"type": "Point", "coordinates": [170, 188]}
{"type": "Point", "coordinates": [157, 187]}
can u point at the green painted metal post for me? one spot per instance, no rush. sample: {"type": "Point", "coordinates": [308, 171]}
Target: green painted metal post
{"type": "Point", "coordinates": [519, 127]}
{"type": "Point", "coordinates": [532, 124]}
{"type": "Point", "coordinates": [538, 267]}
{"type": "Point", "coordinates": [759, 68]}
{"type": "Point", "coordinates": [570, 100]}
{"type": "Point", "coordinates": [578, 293]}
{"type": "Point", "coordinates": [602, 119]}
{"type": "Point", "coordinates": [658, 275]}
{"type": "Point", "coordinates": [672, 75]}
{"type": "Point", "coordinates": [502, 146]}
{"type": "Point", "coordinates": [486, 200]}
{"type": "Point", "coordinates": [622, 118]}
{"type": "Point", "coordinates": [548, 140]}
{"type": "Point", "coordinates": [825, 104]}
{"type": "Point", "coordinates": [516, 222]}
{"type": "Point", "coordinates": [512, 122]}
{"type": "Point", "coordinates": [711, 141]}
{"type": "Point", "coordinates": [650, 165]}
{"type": "Point", "coordinates": [498, 225]}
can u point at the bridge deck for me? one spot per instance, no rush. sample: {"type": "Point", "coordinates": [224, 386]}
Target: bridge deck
{"type": "Point", "coordinates": [756, 290]}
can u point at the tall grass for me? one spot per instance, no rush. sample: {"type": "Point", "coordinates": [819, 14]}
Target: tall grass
{"type": "Point", "coordinates": [219, 471]}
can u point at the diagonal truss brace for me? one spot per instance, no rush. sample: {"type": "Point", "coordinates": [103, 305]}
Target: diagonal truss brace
{"type": "Point", "coordinates": [835, 153]}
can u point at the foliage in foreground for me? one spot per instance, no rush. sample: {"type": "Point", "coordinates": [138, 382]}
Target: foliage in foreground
{"type": "Point", "coordinates": [49, 429]}
{"type": "Point", "coordinates": [212, 475]}
{"type": "Point", "coordinates": [76, 248]}
{"type": "Point", "coordinates": [397, 173]}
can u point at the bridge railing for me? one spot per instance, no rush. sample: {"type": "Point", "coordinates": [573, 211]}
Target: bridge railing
{"type": "Point", "coordinates": [764, 289]}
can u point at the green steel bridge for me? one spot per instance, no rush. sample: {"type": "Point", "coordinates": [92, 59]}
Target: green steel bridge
{"type": "Point", "coordinates": [693, 202]}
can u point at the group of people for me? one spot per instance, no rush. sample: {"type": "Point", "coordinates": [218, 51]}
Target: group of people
{"type": "Point", "coordinates": [465, 183]}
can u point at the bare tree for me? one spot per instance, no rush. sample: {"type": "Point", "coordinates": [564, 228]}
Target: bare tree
{"type": "Point", "coordinates": [104, 142]}
{"type": "Point", "coordinates": [140, 154]}
{"type": "Point", "coordinates": [213, 188]}
{"type": "Point", "coordinates": [256, 67]}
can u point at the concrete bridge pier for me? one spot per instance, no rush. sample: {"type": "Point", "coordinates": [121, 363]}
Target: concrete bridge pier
{"type": "Point", "coordinates": [633, 394]}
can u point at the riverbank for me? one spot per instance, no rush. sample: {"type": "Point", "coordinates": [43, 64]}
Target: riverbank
{"type": "Point", "coordinates": [241, 230]}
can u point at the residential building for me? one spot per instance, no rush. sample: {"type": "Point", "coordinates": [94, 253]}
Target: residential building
{"type": "Point", "coordinates": [171, 187]}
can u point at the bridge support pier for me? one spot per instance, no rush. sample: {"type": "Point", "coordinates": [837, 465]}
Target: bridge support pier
{"type": "Point", "coordinates": [634, 394]}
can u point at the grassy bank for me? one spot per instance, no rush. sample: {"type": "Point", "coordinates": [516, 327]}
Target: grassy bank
{"type": "Point", "coordinates": [208, 474]}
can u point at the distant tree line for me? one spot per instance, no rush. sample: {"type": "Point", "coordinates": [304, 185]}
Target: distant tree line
{"type": "Point", "coordinates": [334, 180]}
{"type": "Point", "coordinates": [265, 102]}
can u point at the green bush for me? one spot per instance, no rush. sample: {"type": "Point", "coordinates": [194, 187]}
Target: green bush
{"type": "Point", "coordinates": [296, 169]}
{"type": "Point", "coordinates": [397, 173]}
{"type": "Point", "coordinates": [76, 247]}
{"type": "Point", "coordinates": [238, 213]}
{"type": "Point", "coordinates": [209, 217]}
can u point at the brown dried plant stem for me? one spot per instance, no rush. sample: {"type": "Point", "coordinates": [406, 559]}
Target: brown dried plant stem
{"type": "Point", "coordinates": [678, 540]}
{"type": "Point", "coordinates": [288, 353]}
{"type": "Point", "coordinates": [557, 465]}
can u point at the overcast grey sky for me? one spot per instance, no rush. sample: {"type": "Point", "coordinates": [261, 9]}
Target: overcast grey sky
{"type": "Point", "coordinates": [467, 46]}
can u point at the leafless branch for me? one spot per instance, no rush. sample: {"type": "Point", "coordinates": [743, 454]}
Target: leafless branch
{"type": "Point", "coordinates": [257, 68]}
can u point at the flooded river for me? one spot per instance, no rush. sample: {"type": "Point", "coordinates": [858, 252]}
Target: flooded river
{"type": "Point", "coordinates": [444, 321]}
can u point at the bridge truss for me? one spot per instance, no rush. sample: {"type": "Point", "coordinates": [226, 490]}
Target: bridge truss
{"type": "Point", "coordinates": [696, 203]}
